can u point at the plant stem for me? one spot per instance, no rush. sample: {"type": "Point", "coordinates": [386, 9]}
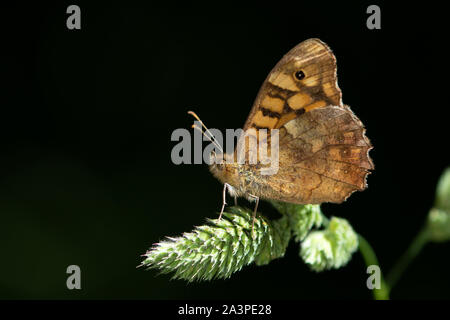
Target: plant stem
{"type": "Point", "coordinates": [413, 250]}
{"type": "Point", "coordinates": [371, 259]}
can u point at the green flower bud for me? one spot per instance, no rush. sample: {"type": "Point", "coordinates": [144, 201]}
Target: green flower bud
{"type": "Point", "coordinates": [438, 222]}
{"type": "Point", "coordinates": [442, 201]}
{"type": "Point", "coordinates": [302, 218]}
{"type": "Point", "coordinates": [220, 248]}
{"type": "Point", "coordinates": [316, 251]}
{"type": "Point", "coordinates": [330, 248]}
{"type": "Point", "coordinates": [438, 225]}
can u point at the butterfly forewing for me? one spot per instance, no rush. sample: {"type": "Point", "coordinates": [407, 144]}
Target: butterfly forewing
{"type": "Point", "coordinates": [284, 95]}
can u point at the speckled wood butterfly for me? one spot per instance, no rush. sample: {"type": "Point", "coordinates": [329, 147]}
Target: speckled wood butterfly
{"type": "Point", "coordinates": [323, 150]}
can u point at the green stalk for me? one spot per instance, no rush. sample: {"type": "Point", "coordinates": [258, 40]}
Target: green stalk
{"type": "Point", "coordinates": [413, 250]}
{"type": "Point", "coordinates": [370, 258]}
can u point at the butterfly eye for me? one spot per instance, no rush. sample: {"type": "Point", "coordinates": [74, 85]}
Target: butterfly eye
{"type": "Point", "coordinates": [299, 75]}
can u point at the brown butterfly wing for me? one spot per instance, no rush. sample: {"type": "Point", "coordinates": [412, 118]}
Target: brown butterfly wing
{"type": "Point", "coordinates": [323, 157]}
{"type": "Point", "coordinates": [323, 152]}
{"type": "Point", "coordinates": [283, 97]}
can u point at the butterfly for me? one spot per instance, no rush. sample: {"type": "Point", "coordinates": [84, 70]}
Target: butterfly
{"type": "Point", "coordinates": [323, 149]}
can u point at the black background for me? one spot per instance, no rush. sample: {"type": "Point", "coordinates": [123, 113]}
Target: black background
{"type": "Point", "coordinates": [86, 117]}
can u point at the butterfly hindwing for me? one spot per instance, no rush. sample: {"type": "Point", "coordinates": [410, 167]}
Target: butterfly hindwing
{"type": "Point", "coordinates": [323, 158]}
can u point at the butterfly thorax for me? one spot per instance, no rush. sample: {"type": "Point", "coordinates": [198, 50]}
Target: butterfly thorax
{"type": "Point", "coordinates": [244, 178]}
{"type": "Point", "coordinates": [227, 173]}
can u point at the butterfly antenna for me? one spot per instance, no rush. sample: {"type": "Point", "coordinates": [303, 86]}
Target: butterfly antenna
{"type": "Point", "coordinates": [210, 136]}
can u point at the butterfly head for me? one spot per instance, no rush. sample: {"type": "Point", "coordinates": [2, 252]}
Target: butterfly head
{"type": "Point", "coordinates": [221, 165]}
{"type": "Point", "coordinates": [224, 168]}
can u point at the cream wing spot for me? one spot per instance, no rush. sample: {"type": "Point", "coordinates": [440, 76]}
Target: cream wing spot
{"type": "Point", "coordinates": [299, 100]}
{"type": "Point", "coordinates": [283, 81]}
{"type": "Point", "coordinates": [264, 121]}
{"type": "Point", "coordinates": [274, 104]}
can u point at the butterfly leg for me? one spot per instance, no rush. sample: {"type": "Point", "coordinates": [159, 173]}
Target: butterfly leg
{"type": "Point", "coordinates": [256, 199]}
{"type": "Point", "coordinates": [235, 200]}
{"type": "Point", "coordinates": [225, 187]}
